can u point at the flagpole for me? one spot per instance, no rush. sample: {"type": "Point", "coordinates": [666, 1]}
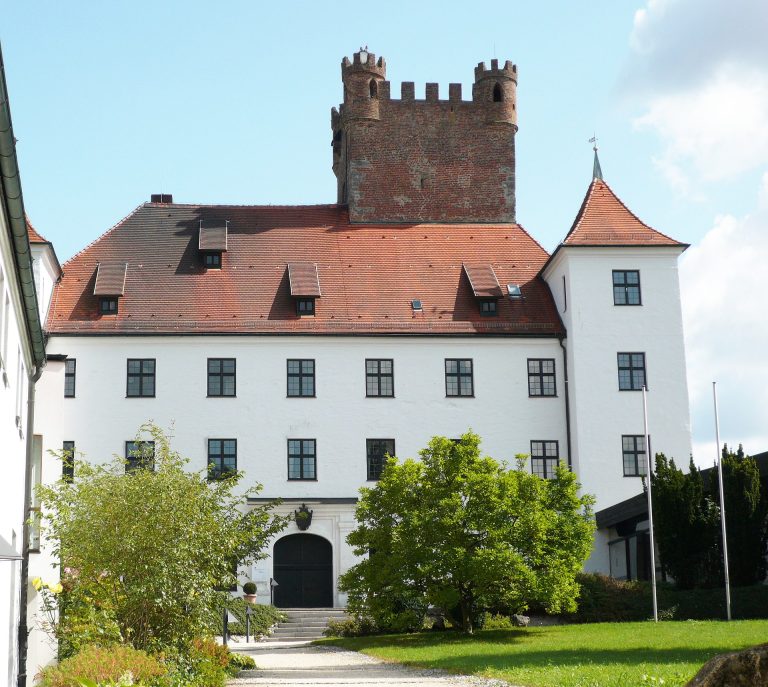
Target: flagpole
{"type": "Point", "coordinates": [722, 506]}
{"type": "Point", "coordinates": [649, 461]}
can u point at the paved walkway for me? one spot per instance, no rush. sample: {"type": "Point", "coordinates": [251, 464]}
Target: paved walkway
{"type": "Point", "coordinates": [299, 663]}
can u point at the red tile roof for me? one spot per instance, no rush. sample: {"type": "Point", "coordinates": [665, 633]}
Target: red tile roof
{"type": "Point", "coordinates": [34, 237]}
{"type": "Point", "coordinates": [303, 279]}
{"type": "Point", "coordinates": [604, 220]}
{"type": "Point", "coordinates": [483, 280]}
{"type": "Point", "coordinates": [110, 278]}
{"type": "Point", "coordinates": [213, 238]}
{"type": "Point", "coordinates": [368, 273]}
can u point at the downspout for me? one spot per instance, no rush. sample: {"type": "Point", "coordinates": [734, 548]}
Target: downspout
{"type": "Point", "coordinates": [567, 401]}
{"type": "Point", "coordinates": [23, 627]}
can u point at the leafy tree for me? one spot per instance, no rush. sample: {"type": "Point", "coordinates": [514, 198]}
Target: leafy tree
{"type": "Point", "coordinates": [686, 525]}
{"type": "Point", "coordinates": [150, 548]}
{"type": "Point", "coordinates": [459, 530]}
{"type": "Point", "coordinates": [745, 516]}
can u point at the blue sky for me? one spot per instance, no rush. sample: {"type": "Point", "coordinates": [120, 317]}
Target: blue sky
{"type": "Point", "coordinates": [230, 103]}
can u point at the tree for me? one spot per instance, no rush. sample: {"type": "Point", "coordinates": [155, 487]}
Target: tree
{"type": "Point", "coordinates": [686, 525]}
{"type": "Point", "coordinates": [147, 549]}
{"type": "Point", "coordinates": [745, 516]}
{"type": "Point", "coordinates": [458, 530]}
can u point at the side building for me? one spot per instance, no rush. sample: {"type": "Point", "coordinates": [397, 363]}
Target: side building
{"type": "Point", "coordinates": [302, 344]}
{"type": "Point", "coordinates": [22, 356]}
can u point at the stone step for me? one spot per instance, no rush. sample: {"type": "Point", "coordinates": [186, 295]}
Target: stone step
{"type": "Point", "coordinates": [304, 623]}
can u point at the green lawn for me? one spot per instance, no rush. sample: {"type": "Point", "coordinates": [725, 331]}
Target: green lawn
{"type": "Point", "coordinates": [595, 655]}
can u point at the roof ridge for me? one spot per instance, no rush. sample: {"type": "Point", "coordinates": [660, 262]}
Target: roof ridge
{"type": "Point", "coordinates": [243, 205]}
{"type": "Point", "coordinates": [108, 231]}
{"type": "Point", "coordinates": [534, 239]}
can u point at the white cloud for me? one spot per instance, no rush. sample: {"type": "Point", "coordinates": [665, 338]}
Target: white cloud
{"type": "Point", "coordinates": [726, 329]}
{"type": "Point", "coordinates": [699, 74]}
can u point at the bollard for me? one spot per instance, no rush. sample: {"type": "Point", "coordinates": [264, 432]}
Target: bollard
{"type": "Point", "coordinates": [225, 633]}
{"type": "Point", "coordinates": [247, 623]}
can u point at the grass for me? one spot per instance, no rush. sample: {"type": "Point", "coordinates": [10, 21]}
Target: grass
{"type": "Point", "coordinates": [595, 655]}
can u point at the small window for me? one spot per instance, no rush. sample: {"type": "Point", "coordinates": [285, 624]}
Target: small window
{"type": "Point", "coordinates": [68, 461]}
{"type": "Point", "coordinates": [634, 455]}
{"type": "Point", "coordinates": [379, 377]}
{"type": "Point", "coordinates": [70, 367]}
{"type": "Point", "coordinates": [417, 305]}
{"type": "Point", "coordinates": [459, 377]}
{"type": "Point", "coordinates": [108, 305]}
{"type": "Point", "coordinates": [212, 261]}
{"type": "Point", "coordinates": [221, 376]}
{"type": "Point", "coordinates": [302, 457]}
{"type": "Point", "coordinates": [545, 456]}
{"type": "Point", "coordinates": [626, 287]}
{"type": "Point", "coordinates": [305, 306]}
{"type": "Point", "coordinates": [222, 458]}
{"type": "Point", "coordinates": [377, 451]}
{"type": "Point", "coordinates": [139, 455]}
{"type": "Point", "coordinates": [301, 378]}
{"type": "Point", "coordinates": [488, 307]}
{"type": "Point", "coordinates": [373, 89]}
{"type": "Point", "coordinates": [631, 371]}
{"type": "Point", "coordinates": [541, 377]}
{"type": "Point", "coordinates": [141, 377]}
{"type": "Point", "coordinates": [498, 94]}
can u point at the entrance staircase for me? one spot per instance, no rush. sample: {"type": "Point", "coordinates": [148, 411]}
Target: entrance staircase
{"type": "Point", "coordinates": [305, 624]}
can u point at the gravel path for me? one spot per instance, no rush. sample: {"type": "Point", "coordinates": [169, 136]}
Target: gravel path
{"type": "Point", "coordinates": [304, 664]}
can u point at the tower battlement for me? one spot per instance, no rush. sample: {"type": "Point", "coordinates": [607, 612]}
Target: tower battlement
{"type": "Point", "coordinates": [425, 160]}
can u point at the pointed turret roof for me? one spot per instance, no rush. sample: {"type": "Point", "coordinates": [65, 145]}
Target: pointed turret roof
{"type": "Point", "coordinates": [34, 236]}
{"type": "Point", "coordinates": [604, 220]}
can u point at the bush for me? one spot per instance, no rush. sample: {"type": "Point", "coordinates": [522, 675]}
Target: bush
{"type": "Point", "coordinates": [351, 627]}
{"type": "Point", "coordinates": [604, 599]}
{"type": "Point", "coordinates": [249, 588]}
{"type": "Point", "coordinates": [103, 664]}
{"type": "Point", "coordinates": [498, 622]}
{"type": "Point", "coordinates": [263, 617]}
{"type": "Point", "coordinates": [238, 662]}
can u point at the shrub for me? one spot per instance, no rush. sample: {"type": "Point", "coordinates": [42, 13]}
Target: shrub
{"type": "Point", "coordinates": [249, 588]}
{"type": "Point", "coordinates": [238, 662]}
{"type": "Point", "coordinates": [351, 627]}
{"type": "Point", "coordinates": [497, 622]}
{"type": "Point", "coordinates": [263, 617]}
{"type": "Point", "coordinates": [102, 664]}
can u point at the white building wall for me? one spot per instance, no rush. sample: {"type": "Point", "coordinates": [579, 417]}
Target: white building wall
{"type": "Point", "coordinates": [46, 271]}
{"type": "Point", "coordinates": [15, 362]}
{"type": "Point", "coordinates": [100, 418]}
{"type": "Point", "coordinates": [597, 331]}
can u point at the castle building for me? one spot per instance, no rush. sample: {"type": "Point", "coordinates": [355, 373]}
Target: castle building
{"type": "Point", "coordinates": [301, 344]}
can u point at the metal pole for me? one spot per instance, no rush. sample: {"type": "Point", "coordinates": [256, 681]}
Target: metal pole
{"type": "Point", "coordinates": [722, 506]}
{"type": "Point", "coordinates": [225, 632]}
{"type": "Point", "coordinates": [247, 624]}
{"type": "Point", "coordinates": [649, 461]}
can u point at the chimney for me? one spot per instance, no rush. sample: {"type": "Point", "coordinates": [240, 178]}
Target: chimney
{"type": "Point", "coordinates": [161, 198]}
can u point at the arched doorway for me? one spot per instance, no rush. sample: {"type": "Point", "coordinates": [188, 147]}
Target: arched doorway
{"type": "Point", "coordinates": [303, 570]}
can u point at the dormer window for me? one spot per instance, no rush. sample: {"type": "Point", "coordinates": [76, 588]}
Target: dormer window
{"type": "Point", "coordinates": [485, 287]}
{"type": "Point", "coordinates": [212, 242]}
{"type": "Point", "coordinates": [110, 285]}
{"type": "Point", "coordinates": [305, 306]}
{"type": "Point", "coordinates": [108, 305]}
{"type": "Point", "coordinates": [305, 286]}
{"type": "Point", "coordinates": [488, 307]}
{"type": "Point", "coordinates": [212, 261]}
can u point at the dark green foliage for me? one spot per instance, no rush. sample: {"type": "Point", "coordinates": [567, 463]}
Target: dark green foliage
{"type": "Point", "coordinates": [686, 525]}
{"type": "Point", "coordinates": [745, 516]}
{"type": "Point", "coordinates": [604, 599]}
{"type": "Point", "coordinates": [262, 617]}
{"type": "Point", "coordinates": [238, 662]}
{"type": "Point", "coordinates": [249, 588]}
{"type": "Point", "coordinates": [357, 626]}
{"type": "Point", "coordinates": [456, 530]}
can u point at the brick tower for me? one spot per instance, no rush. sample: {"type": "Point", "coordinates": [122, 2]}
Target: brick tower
{"type": "Point", "coordinates": [428, 160]}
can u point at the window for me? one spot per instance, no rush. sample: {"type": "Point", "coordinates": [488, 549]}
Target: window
{"type": "Point", "coordinates": [631, 371]}
{"type": "Point", "coordinates": [541, 377]}
{"type": "Point", "coordinates": [377, 450]}
{"type": "Point", "coordinates": [305, 306]}
{"type": "Point", "coordinates": [488, 307]}
{"type": "Point", "coordinates": [68, 461]}
{"type": "Point", "coordinates": [70, 367]}
{"type": "Point", "coordinates": [139, 455]}
{"type": "Point", "coordinates": [634, 455]}
{"type": "Point", "coordinates": [221, 376]}
{"type": "Point", "coordinates": [141, 377]}
{"type": "Point", "coordinates": [626, 287]}
{"type": "Point", "coordinates": [212, 261]}
{"type": "Point", "coordinates": [544, 458]}
{"type": "Point", "coordinates": [498, 95]}
{"type": "Point", "coordinates": [222, 458]}
{"type": "Point", "coordinates": [302, 459]}
{"type": "Point", "coordinates": [458, 377]}
{"type": "Point", "coordinates": [379, 377]}
{"type": "Point", "coordinates": [301, 377]}
{"type": "Point", "coordinates": [108, 305]}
